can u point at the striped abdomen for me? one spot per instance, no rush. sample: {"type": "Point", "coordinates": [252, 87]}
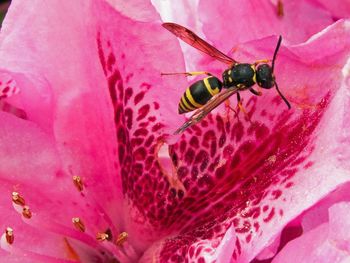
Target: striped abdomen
{"type": "Point", "coordinates": [199, 93]}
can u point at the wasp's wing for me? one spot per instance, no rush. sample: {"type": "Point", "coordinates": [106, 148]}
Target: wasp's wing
{"type": "Point", "coordinates": [207, 108]}
{"type": "Point", "coordinates": [195, 41]}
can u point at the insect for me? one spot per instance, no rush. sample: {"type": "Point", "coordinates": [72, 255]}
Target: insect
{"type": "Point", "coordinates": [205, 95]}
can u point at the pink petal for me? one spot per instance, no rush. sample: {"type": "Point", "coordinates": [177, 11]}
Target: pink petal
{"type": "Point", "coordinates": [31, 166]}
{"type": "Point", "coordinates": [75, 146]}
{"type": "Point", "coordinates": [339, 220]}
{"type": "Point", "coordinates": [185, 12]}
{"type": "Point", "coordinates": [318, 214]}
{"type": "Point", "coordinates": [329, 242]}
{"type": "Point", "coordinates": [226, 247]}
{"type": "Point", "coordinates": [144, 107]}
{"type": "Point", "coordinates": [19, 141]}
{"type": "Point", "coordinates": [8, 86]}
{"type": "Point", "coordinates": [231, 177]}
{"type": "Point", "coordinates": [229, 23]}
{"type": "Point", "coordinates": [260, 176]}
{"type": "Point", "coordinates": [338, 8]}
{"type": "Point", "coordinates": [76, 66]}
{"type": "Point", "coordinates": [138, 10]}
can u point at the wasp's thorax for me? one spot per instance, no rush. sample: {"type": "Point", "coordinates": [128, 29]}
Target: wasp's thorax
{"type": "Point", "coordinates": [264, 76]}
{"type": "Point", "coordinates": [241, 75]}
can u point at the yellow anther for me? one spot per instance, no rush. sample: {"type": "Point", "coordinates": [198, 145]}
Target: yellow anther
{"type": "Point", "coordinates": [78, 182]}
{"type": "Point", "coordinates": [18, 199]}
{"type": "Point", "coordinates": [102, 236]}
{"type": "Point", "coordinates": [122, 237]}
{"type": "Point", "coordinates": [26, 212]}
{"type": "Point", "coordinates": [9, 235]}
{"type": "Point", "coordinates": [280, 9]}
{"type": "Point", "coordinates": [78, 224]}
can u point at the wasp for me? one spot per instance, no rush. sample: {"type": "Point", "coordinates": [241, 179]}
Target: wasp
{"type": "Point", "coordinates": [205, 95]}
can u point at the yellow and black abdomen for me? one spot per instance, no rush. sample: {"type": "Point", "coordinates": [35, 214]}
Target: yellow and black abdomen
{"type": "Point", "coordinates": [199, 93]}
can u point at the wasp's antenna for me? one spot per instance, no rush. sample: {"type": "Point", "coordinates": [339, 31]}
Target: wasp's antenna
{"type": "Point", "coordinates": [273, 66]}
{"type": "Point", "coordinates": [276, 50]}
{"type": "Point", "coordinates": [284, 98]}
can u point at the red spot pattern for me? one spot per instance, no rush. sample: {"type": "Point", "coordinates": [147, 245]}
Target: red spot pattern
{"type": "Point", "coordinates": [138, 132]}
{"type": "Point", "coordinates": [243, 164]}
{"type": "Point", "coordinates": [7, 107]}
{"type": "Point", "coordinates": [227, 166]}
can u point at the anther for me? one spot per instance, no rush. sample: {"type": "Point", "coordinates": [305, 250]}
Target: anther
{"type": "Point", "coordinates": [18, 199]}
{"type": "Point", "coordinates": [122, 237]}
{"type": "Point", "coordinates": [78, 224]}
{"type": "Point", "coordinates": [26, 212]}
{"type": "Point", "coordinates": [78, 182]}
{"type": "Point", "coordinates": [280, 9]}
{"type": "Point", "coordinates": [102, 236]}
{"type": "Point", "coordinates": [9, 235]}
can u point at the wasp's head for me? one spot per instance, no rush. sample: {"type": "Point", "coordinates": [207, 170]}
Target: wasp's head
{"type": "Point", "coordinates": [264, 76]}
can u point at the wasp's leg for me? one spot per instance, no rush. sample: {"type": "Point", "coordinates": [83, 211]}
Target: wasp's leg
{"type": "Point", "coordinates": [229, 108]}
{"type": "Point", "coordinates": [240, 105]}
{"type": "Point", "coordinates": [241, 108]}
{"type": "Point", "coordinates": [256, 92]}
{"type": "Point", "coordinates": [193, 73]}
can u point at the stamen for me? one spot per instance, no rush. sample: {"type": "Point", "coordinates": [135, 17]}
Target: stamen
{"type": "Point", "coordinates": [280, 9]}
{"type": "Point", "coordinates": [122, 237]}
{"type": "Point", "coordinates": [18, 199]}
{"type": "Point", "coordinates": [102, 236]}
{"type": "Point", "coordinates": [9, 235]}
{"type": "Point", "coordinates": [49, 224]}
{"type": "Point", "coordinates": [26, 212]}
{"type": "Point", "coordinates": [78, 224]}
{"type": "Point", "coordinates": [78, 182]}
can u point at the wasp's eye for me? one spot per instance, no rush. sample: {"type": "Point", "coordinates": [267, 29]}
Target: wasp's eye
{"type": "Point", "coordinates": [264, 76]}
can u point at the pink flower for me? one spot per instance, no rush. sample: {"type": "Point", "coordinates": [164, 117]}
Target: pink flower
{"type": "Point", "coordinates": [87, 152]}
{"type": "Point", "coordinates": [309, 23]}
{"type": "Point", "coordinates": [324, 238]}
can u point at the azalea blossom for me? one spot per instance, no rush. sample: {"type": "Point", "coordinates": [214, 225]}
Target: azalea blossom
{"type": "Point", "coordinates": [91, 171]}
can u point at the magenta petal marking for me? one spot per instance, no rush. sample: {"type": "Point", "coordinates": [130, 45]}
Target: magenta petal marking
{"type": "Point", "coordinates": [8, 86]}
{"type": "Point", "coordinates": [271, 159]}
